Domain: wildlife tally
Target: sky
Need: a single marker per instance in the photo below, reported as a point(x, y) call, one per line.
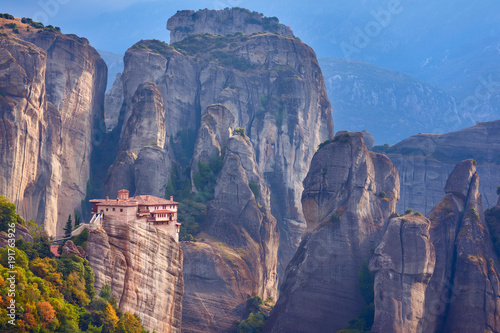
point(404, 35)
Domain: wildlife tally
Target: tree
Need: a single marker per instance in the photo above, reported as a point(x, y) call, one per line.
point(129, 324)
point(69, 227)
point(77, 218)
point(7, 213)
point(46, 313)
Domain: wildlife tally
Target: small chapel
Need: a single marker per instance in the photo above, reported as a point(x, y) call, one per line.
point(161, 213)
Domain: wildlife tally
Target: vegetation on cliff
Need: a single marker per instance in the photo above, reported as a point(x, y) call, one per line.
point(54, 294)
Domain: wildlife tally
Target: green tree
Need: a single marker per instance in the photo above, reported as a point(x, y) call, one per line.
point(7, 213)
point(69, 227)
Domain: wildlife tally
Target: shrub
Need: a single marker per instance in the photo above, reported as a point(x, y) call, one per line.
point(408, 211)
point(239, 131)
point(382, 195)
point(321, 145)
point(255, 188)
point(498, 190)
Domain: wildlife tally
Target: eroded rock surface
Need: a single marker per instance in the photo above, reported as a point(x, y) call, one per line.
point(425, 161)
point(222, 22)
point(143, 266)
point(346, 215)
point(52, 91)
point(236, 257)
point(403, 265)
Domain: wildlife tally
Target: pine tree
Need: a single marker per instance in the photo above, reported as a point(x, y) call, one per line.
point(77, 218)
point(69, 227)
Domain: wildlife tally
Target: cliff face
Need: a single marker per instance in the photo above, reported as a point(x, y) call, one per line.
point(403, 264)
point(389, 104)
point(222, 22)
point(237, 255)
point(349, 194)
point(270, 84)
point(463, 292)
point(439, 274)
point(143, 266)
point(52, 91)
point(113, 103)
point(425, 161)
point(143, 165)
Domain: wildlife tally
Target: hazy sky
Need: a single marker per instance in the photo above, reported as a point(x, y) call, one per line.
point(414, 31)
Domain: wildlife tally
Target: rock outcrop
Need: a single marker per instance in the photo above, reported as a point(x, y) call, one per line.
point(222, 22)
point(349, 195)
point(113, 103)
point(403, 265)
point(21, 231)
point(275, 92)
point(236, 257)
point(143, 267)
point(425, 161)
point(462, 295)
point(143, 165)
point(439, 274)
point(51, 96)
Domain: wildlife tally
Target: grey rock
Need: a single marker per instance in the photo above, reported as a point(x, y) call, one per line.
point(403, 265)
point(113, 103)
point(238, 248)
point(346, 218)
point(143, 267)
point(425, 161)
point(222, 22)
point(50, 110)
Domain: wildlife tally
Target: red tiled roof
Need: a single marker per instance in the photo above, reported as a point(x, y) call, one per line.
point(163, 211)
point(149, 200)
point(53, 249)
point(114, 202)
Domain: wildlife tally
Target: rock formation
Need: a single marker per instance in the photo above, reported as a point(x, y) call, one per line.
point(143, 267)
point(462, 295)
point(113, 103)
point(222, 22)
point(275, 92)
point(425, 161)
point(143, 165)
point(51, 96)
point(403, 265)
point(236, 257)
point(349, 194)
point(21, 231)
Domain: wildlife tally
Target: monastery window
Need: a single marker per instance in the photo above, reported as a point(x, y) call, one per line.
point(121, 209)
point(113, 209)
point(106, 209)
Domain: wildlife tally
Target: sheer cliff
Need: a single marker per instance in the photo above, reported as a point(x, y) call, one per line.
point(51, 97)
point(349, 195)
point(434, 273)
point(270, 84)
point(254, 101)
point(143, 266)
point(425, 161)
point(237, 253)
point(222, 22)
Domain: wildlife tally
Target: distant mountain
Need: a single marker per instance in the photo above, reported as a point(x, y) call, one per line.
point(114, 62)
point(389, 104)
